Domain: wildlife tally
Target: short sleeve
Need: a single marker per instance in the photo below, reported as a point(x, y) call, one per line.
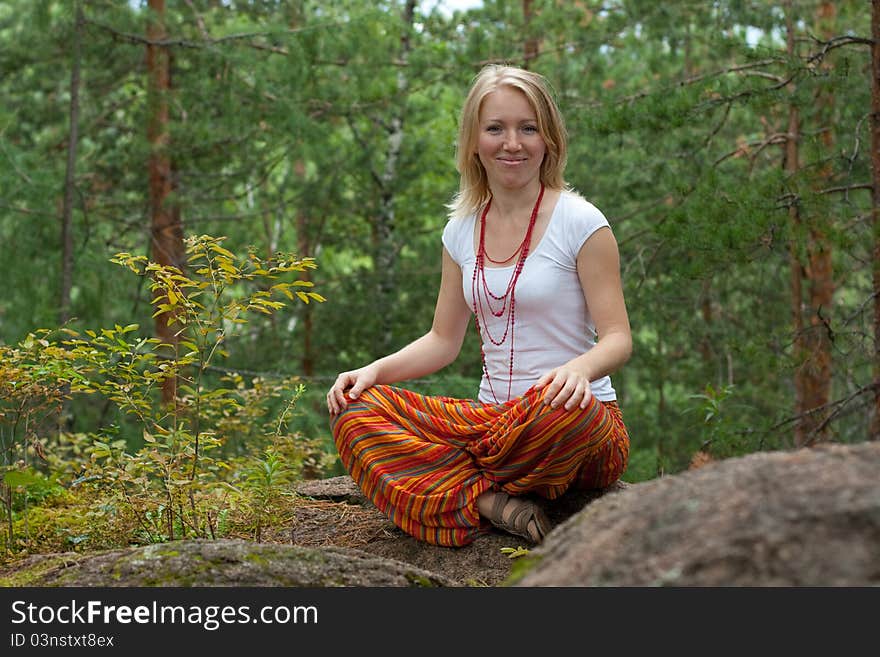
point(458, 238)
point(582, 220)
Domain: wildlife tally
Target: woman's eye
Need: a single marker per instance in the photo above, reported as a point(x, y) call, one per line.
point(530, 129)
point(493, 129)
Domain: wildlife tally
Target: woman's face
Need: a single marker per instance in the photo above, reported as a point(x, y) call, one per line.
point(509, 145)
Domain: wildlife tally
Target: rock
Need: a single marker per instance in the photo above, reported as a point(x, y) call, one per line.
point(219, 563)
point(809, 517)
point(337, 489)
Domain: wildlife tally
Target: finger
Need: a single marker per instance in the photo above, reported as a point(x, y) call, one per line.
point(336, 396)
point(588, 393)
point(336, 399)
point(564, 394)
point(356, 390)
point(565, 389)
point(359, 386)
point(576, 397)
point(338, 389)
point(553, 388)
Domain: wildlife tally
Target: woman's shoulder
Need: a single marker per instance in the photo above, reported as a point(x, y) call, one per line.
point(456, 225)
point(579, 216)
point(458, 236)
point(576, 205)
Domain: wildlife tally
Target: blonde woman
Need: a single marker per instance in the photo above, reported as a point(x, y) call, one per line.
point(537, 267)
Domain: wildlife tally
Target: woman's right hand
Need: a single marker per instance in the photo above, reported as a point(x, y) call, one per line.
point(355, 382)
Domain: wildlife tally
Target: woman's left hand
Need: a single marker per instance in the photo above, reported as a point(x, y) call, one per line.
point(566, 387)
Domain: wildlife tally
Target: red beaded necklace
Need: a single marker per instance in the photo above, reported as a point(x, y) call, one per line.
point(483, 296)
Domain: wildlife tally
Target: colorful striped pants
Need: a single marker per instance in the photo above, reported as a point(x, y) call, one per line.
point(423, 461)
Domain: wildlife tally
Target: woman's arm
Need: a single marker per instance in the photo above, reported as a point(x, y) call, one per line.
point(598, 265)
point(429, 353)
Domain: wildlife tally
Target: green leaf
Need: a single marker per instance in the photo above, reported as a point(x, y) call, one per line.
point(22, 478)
point(514, 553)
point(222, 251)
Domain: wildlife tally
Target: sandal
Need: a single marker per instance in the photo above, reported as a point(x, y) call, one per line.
point(520, 521)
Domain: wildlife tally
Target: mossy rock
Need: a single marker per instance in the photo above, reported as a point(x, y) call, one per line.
point(219, 563)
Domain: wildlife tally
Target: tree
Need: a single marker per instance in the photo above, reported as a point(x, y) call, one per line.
point(875, 205)
point(69, 178)
point(812, 326)
point(165, 225)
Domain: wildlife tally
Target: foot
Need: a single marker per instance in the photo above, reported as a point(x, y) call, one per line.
point(514, 515)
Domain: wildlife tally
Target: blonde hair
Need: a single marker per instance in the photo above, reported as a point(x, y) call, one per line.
point(474, 189)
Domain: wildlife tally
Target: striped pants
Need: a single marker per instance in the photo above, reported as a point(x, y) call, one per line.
point(423, 461)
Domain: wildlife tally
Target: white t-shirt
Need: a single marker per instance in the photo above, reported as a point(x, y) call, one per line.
point(553, 324)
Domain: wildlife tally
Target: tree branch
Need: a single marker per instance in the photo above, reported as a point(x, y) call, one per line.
point(832, 190)
point(208, 40)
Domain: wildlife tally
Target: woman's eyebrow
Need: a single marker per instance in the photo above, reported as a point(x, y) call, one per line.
point(494, 120)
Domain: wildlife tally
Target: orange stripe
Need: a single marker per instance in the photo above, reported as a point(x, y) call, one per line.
point(424, 460)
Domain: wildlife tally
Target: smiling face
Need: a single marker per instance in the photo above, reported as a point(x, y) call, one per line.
point(509, 145)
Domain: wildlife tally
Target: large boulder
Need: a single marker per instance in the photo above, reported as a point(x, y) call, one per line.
point(809, 517)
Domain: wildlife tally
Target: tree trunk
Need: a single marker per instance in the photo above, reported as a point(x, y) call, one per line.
point(166, 231)
point(70, 174)
point(531, 47)
point(386, 249)
point(817, 370)
point(811, 313)
point(791, 166)
point(875, 207)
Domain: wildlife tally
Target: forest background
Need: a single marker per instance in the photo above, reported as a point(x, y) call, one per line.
point(285, 166)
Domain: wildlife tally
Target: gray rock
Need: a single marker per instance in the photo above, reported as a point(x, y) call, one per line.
point(220, 563)
point(809, 517)
point(337, 489)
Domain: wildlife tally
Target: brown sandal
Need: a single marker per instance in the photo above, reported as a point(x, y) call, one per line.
point(519, 521)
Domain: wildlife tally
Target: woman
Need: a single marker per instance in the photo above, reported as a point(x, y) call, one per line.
point(538, 268)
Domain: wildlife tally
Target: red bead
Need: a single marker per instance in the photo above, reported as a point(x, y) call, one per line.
point(480, 274)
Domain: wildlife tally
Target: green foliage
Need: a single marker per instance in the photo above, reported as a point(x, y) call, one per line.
point(712, 402)
point(170, 483)
point(36, 377)
point(177, 484)
point(261, 490)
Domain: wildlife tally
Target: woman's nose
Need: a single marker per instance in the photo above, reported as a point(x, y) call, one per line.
point(511, 143)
